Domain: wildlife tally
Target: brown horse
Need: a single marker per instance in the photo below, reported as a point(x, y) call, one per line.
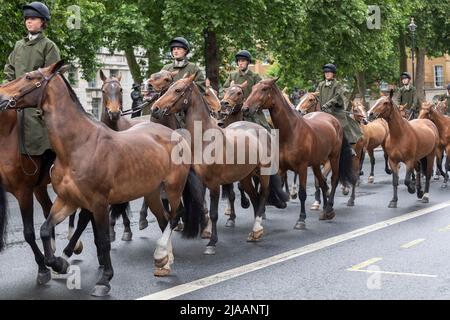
point(307, 141)
point(441, 106)
point(442, 122)
point(411, 142)
point(310, 103)
point(374, 135)
point(23, 176)
point(121, 166)
point(219, 167)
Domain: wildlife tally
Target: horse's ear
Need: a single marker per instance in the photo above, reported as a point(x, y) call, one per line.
point(232, 83)
point(64, 68)
point(174, 73)
point(191, 77)
point(276, 79)
point(285, 90)
point(56, 66)
point(102, 75)
point(391, 94)
point(244, 84)
point(119, 77)
point(315, 93)
point(207, 83)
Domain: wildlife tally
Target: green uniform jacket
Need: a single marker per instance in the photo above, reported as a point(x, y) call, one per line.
point(333, 98)
point(252, 78)
point(408, 97)
point(29, 55)
point(188, 68)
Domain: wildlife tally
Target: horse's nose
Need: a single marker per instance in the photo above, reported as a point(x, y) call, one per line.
point(370, 116)
point(224, 105)
point(365, 121)
point(114, 115)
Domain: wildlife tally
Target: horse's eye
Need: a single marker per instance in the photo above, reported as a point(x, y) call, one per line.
point(166, 80)
point(239, 93)
point(27, 77)
point(177, 90)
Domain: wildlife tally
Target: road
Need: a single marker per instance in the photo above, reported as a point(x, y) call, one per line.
point(366, 252)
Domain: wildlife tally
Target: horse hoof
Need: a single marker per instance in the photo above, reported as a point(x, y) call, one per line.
point(230, 223)
point(159, 263)
point(345, 191)
point(361, 173)
point(255, 236)
point(245, 203)
point(425, 199)
point(350, 203)
point(112, 236)
point(101, 290)
point(161, 272)
point(227, 211)
point(127, 236)
point(210, 250)
point(327, 215)
point(300, 225)
point(206, 234)
point(371, 179)
point(420, 194)
point(392, 204)
point(315, 207)
point(388, 171)
point(78, 248)
point(61, 266)
point(143, 223)
point(437, 177)
point(179, 227)
point(411, 190)
point(43, 277)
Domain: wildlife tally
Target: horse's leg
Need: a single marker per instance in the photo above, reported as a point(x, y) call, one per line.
point(225, 195)
point(372, 165)
point(143, 223)
point(83, 219)
point(252, 192)
point(316, 205)
point(409, 181)
point(386, 162)
point(447, 163)
point(258, 230)
point(42, 197)
point(127, 234)
point(361, 162)
point(25, 199)
point(244, 201)
point(294, 191)
point(428, 173)
point(328, 211)
point(213, 216)
point(231, 197)
point(112, 224)
point(71, 226)
point(322, 183)
point(394, 167)
point(302, 174)
point(356, 169)
point(439, 157)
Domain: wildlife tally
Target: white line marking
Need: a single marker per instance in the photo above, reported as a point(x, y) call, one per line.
point(397, 273)
point(288, 255)
point(364, 264)
point(412, 243)
point(447, 228)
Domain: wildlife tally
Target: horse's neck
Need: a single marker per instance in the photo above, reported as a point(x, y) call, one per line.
point(283, 117)
point(8, 122)
point(198, 111)
point(107, 120)
point(68, 126)
point(440, 120)
point(233, 118)
point(397, 124)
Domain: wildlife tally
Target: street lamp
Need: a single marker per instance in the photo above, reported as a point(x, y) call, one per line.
point(412, 28)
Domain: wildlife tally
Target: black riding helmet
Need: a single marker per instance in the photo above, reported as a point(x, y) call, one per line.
point(405, 75)
point(244, 54)
point(181, 43)
point(329, 67)
point(36, 9)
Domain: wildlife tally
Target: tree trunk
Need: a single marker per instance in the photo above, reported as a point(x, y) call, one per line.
point(420, 74)
point(361, 84)
point(211, 58)
point(135, 69)
point(402, 49)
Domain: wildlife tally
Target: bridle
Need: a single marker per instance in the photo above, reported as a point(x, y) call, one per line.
point(237, 107)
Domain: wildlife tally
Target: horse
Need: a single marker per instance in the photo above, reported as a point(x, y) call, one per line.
point(374, 135)
point(185, 96)
point(23, 176)
point(411, 142)
point(307, 141)
point(3, 216)
point(441, 106)
point(121, 166)
point(310, 103)
point(442, 122)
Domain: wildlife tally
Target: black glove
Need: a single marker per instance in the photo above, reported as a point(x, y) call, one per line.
point(325, 108)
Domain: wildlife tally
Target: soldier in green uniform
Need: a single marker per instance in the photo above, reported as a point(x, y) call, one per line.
point(31, 53)
point(243, 59)
point(446, 96)
point(408, 96)
point(332, 100)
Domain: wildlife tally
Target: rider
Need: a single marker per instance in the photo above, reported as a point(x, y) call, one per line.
point(30, 53)
point(332, 100)
point(296, 96)
point(137, 100)
point(243, 58)
point(446, 96)
point(408, 95)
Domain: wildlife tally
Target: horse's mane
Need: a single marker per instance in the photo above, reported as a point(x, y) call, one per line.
point(73, 95)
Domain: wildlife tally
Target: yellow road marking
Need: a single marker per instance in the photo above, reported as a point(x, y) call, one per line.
point(412, 243)
point(397, 273)
point(364, 264)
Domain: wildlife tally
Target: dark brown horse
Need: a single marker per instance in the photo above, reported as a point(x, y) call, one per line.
point(307, 141)
point(411, 142)
point(121, 166)
point(217, 167)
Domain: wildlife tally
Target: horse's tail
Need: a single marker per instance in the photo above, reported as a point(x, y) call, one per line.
point(346, 172)
point(3, 217)
point(116, 210)
point(193, 196)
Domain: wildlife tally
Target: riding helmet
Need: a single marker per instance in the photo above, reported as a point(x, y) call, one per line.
point(36, 9)
point(405, 75)
point(244, 54)
point(179, 42)
point(329, 67)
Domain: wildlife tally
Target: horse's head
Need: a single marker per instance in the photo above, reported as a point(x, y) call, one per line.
point(161, 80)
point(403, 111)
point(309, 103)
point(112, 95)
point(359, 112)
point(261, 96)
point(175, 99)
point(233, 98)
point(383, 108)
point(211, 98)
point(441, 106)
point(28, 90)
point(426, 109)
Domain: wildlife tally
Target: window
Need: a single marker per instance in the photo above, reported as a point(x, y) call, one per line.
point(92, 83)
point(438, 77)
point(96, 107)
